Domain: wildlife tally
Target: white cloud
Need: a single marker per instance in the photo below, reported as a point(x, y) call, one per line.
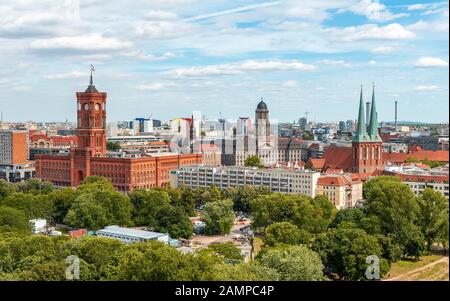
point(232, 11)
point(238, 68)
point(392, 31)
point(67, 75)
point(163, 29)
point(383, 49)
point(418, 6)
point(94, 42)
point(340, 63)
point(141, 55)
point(372, 62)
point(154, 86)
point(158, 14)
point(374, 10)
point(290, 84)
point(429, 62)
point(426, 88)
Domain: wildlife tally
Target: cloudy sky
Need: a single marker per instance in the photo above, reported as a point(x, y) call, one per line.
point(167, 58)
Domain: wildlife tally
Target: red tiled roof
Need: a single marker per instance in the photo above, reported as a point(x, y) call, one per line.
point(338, 157)
point(340, 180)
point(334, 170)
point(439, 155)
point(316, 163)
point(419, 178)
point(37, 137)
point(415, 148)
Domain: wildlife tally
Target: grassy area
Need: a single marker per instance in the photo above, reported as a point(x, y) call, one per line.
point(404, 266)
point(437, 272)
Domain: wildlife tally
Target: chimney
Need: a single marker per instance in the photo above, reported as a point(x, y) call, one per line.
point(395, 115)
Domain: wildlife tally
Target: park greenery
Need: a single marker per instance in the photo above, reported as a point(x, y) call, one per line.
point(304, 238)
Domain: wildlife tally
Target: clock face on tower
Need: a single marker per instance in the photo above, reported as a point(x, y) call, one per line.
point(97, 107)
point(86, 106)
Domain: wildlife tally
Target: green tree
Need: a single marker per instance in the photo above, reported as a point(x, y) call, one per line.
point(253, 161)
point(61, 200)
point(35, 186)
point(33, 205)
point(5, 189)
point(147, 204)
point(433, 214)
point(227, 252)
point(285, 233)
point(219, 217)
point(395, 206)
point(293, 263)
point(344, 252)
point(173, 220)
point(16, 219)
point(243, 195)
point(86, 212)
point(112, 146)
point(244, 272)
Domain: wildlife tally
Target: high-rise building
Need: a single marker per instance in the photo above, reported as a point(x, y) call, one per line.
point(342, 126)
point(350, 124)
point(13, 147)
point(302, 123)
point(262, 125)
point(90, 158)
point(14, 165)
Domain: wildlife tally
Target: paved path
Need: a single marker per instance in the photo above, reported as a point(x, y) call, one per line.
point(405, 275)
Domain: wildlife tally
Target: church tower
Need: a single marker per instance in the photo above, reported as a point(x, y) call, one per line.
point(367, 145)
point(91, 131)
point(262, 125)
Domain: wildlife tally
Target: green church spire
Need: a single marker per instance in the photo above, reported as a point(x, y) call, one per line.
point(373, 123)
point(361, 134)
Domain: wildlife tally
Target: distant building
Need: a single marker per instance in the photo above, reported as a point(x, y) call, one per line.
point(211, 154)
point(289, 181)
point(303, 123)
point(290, 150)
point(350, 125)
point(420, 176)
point(342, 126)
point(14, 164)
point(128, 235)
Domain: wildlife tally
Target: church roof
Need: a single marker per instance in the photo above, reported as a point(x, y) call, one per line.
point(373, 123)
point(361, 134)
point(262, 105)
point(91, 89)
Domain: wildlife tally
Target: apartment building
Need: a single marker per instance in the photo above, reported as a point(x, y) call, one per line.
point(341, 190)
point(288, 181)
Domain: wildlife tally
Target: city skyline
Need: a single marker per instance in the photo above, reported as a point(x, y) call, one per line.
point(168, 60)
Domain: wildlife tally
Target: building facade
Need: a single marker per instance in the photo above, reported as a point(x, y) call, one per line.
point(288, 181)
point(341, 190)
point(90, 157)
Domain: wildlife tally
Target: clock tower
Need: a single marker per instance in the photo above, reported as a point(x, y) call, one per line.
point(91, 131)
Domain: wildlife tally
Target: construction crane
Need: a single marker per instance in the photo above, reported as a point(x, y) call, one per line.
point(306, 114)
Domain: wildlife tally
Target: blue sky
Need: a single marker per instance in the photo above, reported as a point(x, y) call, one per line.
point(167, 58)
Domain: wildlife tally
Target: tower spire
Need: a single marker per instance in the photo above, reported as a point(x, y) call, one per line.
point(361, 134)
point(373, 124)
point(91, 88)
